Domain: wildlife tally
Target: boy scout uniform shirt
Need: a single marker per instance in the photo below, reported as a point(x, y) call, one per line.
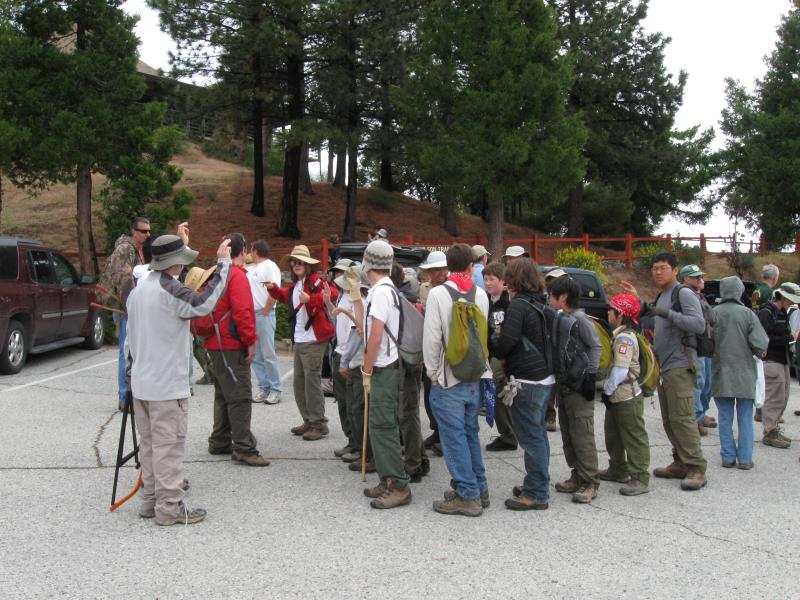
point(381, 305)
point(626, 356)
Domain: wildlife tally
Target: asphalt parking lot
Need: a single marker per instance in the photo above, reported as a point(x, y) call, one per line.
point(301, 528)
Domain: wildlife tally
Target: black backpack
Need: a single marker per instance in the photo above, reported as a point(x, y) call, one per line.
point(703, 343)
point(570, 359)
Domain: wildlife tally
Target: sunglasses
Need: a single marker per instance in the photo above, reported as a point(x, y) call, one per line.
point(147, 231)
point(293, 263)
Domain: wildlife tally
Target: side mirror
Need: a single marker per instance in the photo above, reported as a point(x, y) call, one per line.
point(88, 280)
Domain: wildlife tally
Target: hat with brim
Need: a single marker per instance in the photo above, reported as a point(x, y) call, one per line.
point(342, 265)
point(515, 251)
point(363, 279)
point(300, 253)
point(555, 274)
point(169, 251)
point(435, 260)
point(788, 291)
point(197, 277)
point(478, 252)
point(691, 271)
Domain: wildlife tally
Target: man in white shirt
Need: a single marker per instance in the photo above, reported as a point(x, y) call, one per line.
point(382, 377)
point(265, 364)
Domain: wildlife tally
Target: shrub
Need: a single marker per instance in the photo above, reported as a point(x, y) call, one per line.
point(646, 252)
point(688, 255)
point(580, 259)
point(282, 331)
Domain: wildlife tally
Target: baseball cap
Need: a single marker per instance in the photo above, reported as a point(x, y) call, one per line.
point(554, 274)
point(691, 271)
point(478, 252)
point(515, 251)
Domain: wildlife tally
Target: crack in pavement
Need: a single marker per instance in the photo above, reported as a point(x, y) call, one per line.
point(96, 444)
point(694, 532)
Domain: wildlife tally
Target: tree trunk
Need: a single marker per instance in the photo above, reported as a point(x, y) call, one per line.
point(267, 136)
point(305, 175)
point(85, 237)
point(288, 222)
point(575, 211)
point(257, 126)
point(340, 180)
point(496, 224)
point(329, 174)
point(447, 212)
point(349, 234)
point(387, 181)
point(1, 200)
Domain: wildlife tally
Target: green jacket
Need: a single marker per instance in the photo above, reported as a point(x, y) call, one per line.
point(737, 338)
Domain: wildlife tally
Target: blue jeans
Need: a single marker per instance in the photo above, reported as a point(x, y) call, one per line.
point(123, 331)
point(728, 448)
point(456, 412)
point(265, 364)
point(702, 391)
point(528, 415)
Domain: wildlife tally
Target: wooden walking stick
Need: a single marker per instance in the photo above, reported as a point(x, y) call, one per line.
point(364, 441)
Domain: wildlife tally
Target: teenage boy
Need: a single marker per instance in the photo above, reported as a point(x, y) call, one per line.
point(674, 348)
point(498, 303)
point(455, 403)
point(381, 375)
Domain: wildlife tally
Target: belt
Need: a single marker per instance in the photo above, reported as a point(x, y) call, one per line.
point(394, 365)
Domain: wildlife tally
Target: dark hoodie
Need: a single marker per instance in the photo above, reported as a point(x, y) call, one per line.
point(524, 360)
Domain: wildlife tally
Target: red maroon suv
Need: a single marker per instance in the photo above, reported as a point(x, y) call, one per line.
point(44, 305)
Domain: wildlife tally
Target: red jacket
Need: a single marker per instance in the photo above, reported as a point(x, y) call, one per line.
point(320, 323)
point(239, 300)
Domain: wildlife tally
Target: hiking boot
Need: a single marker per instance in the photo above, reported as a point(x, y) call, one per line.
point(147, 513)
point(569, 486)
point(340, 452)
point(215, 451)
point(431, 440)
point(300, 429)
point(517, 491)
point(797, 413)
point(585, 493)
point(774, 439)
point(375, 491)
point(728, 464)
point(392, 497)
point(709, 422)
point(437, 449)
point(184, 484)
point(484, 496)
point(525, 503)
point(757, 416)
point(273, 398)
point(314, 434)
point(694, 480)
point(351, 457)
point(607, 475)
point(356, 466)
point(745, 466)
point(186, 516)
point(453, 504)
point(253, 460)
point(500, 445)
point(674, 470)
point(415, 475)
point(783, 437)
point(634, 487)
point(425, 464)
point(204, 380)
point(550, 423)
point(702, 430)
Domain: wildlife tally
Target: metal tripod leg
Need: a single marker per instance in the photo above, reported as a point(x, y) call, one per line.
point(122, 458)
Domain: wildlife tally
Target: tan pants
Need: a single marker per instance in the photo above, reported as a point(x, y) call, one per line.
point(307, 384)
point(162, 441)
point(676, 397)
point(776, 395)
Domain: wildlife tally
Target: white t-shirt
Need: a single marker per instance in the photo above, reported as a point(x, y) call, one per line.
point(381, 303)
point(343, 323)
point(258, 273)
point(301, 334)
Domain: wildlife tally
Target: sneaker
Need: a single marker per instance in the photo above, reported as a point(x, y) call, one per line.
point(728, 464)
point(745, 466)
point(356, 466)
point(351, 457)
point(694, 480)
point(569, 486)
point(607, 475)
point(431, 440)
point(314, 434)
point(273, 398)
point(484, 496)
point(774, 439)
point(702, 430)
point(215, 451)
point(253, 460)
point(392, 497)
point(147, 513)
point(585, 493)
point(634, 487)
point(709, 422)
point(500, 445)
point(674, 470)
point(453, 504)
point(204, 380)
point(340, 452)
point(260, 397)
point(525, 503)
point(300, 429)
point(185, 516)
point(550, 423)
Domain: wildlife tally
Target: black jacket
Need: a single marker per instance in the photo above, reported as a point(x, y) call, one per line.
point(776, 323)
point(524, 361)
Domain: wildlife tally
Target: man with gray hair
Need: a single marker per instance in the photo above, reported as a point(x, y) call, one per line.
point(159, 310)
point(769, 280)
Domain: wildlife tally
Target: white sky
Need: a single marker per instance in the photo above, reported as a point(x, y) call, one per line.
point(711, 40)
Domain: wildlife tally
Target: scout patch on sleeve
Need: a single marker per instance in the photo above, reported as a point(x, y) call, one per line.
point(623, 349)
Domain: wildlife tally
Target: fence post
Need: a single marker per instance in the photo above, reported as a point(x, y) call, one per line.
point(628, 251)
point(669, 242)
point(586, 241)
point(535, 248)
point(325, 250)
point(703, 243)
point(762, 246)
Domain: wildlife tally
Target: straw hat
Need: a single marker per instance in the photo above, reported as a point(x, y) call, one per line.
point(198, 277)
point(300, 253)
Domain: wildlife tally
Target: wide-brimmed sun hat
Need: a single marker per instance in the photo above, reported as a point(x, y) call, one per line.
point(788, 290)
point(168, 251)
point(301, 254)
point(197, 277)
point(342, 265)
point(436, 260)
point(363, 279)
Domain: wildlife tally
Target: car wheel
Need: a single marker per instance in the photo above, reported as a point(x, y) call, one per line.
point(15, 349)
point(98, 333)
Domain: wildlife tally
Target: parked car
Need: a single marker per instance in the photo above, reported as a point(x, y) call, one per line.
point(593, 295)
point(44, 305)
point(711, 291)
point(407, 256)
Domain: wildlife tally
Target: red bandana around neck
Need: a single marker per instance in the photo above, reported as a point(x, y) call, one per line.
point(462, 280)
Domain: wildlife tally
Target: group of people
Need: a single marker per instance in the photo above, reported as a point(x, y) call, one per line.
point(477, 337)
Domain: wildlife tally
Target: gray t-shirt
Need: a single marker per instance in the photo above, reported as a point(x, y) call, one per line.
point(670, 332)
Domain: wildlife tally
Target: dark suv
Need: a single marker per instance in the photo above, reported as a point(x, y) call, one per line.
point(44, 305)
point(593, 295)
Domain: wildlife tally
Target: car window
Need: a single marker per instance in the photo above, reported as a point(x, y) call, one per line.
point(8, 262)
point(65, 272)
point(589, 287)
point(41, 267)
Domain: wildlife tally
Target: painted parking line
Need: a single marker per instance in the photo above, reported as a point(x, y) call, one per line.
point(59, 376)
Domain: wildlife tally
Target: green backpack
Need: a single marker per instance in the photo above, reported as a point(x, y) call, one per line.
point(648, 365)
point(466, 350)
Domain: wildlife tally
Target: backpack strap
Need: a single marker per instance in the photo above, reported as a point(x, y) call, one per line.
point(394, 339)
